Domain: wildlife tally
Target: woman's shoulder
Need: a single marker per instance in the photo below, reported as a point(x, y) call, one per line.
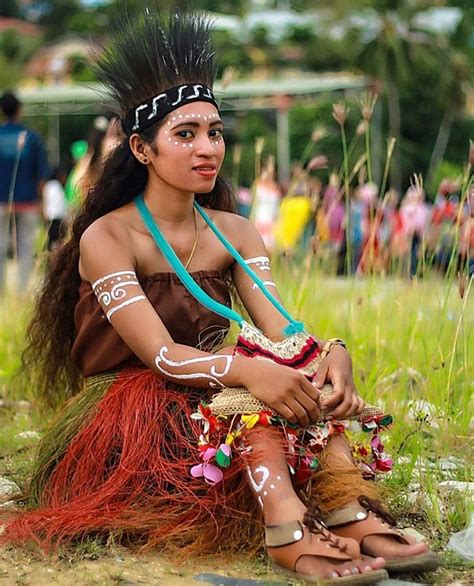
point(113, 226)
point(233, 225)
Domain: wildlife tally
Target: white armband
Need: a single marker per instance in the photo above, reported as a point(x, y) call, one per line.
point(117, 291)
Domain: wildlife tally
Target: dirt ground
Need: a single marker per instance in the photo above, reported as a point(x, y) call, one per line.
point(17, 568)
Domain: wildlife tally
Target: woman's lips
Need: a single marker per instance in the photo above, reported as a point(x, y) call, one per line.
point(206, 171)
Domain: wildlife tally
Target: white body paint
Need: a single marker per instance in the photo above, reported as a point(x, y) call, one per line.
point(258, 485)
point(112, 287)
point(268, 283)
point(212, 376)
point(262, 262)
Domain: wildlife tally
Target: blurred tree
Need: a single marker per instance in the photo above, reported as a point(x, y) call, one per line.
point(10, 8)
point(56, 16)
point(389, 58)
point(10, 44)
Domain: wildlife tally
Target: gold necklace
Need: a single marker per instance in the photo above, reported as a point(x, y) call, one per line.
point(193, 250)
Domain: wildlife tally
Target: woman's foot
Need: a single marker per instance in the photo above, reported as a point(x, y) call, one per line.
point(310, 550)
point(389, 547)
point(374, 529)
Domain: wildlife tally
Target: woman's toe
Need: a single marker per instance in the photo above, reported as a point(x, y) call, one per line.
point(415, 549)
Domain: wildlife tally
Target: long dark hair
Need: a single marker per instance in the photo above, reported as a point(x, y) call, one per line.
point(151, 57)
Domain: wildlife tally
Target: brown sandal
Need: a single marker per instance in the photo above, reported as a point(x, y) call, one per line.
point(312, 538)
point(370, 518)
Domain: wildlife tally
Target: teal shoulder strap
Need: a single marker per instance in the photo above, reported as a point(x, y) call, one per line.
point(293, 326)
point(181, 271)
point(195, 290)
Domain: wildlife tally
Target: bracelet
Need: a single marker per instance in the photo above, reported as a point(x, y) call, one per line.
point(329, 344)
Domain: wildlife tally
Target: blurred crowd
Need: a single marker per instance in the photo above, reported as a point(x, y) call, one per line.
point(367, 232)
point(364, 233)
point(34, 193)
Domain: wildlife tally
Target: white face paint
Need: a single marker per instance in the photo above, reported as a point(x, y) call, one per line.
point(166, 365)
point(262, 263)
point(258, 478)
point(117, 291)
point(190, 116)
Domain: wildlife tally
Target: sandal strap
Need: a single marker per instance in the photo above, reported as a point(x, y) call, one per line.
point(345, 515)
point(283, 534)
point(372, 525)
point(358, 521)
point(315, 545)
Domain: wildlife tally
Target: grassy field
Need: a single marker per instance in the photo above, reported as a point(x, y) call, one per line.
point(412, 345)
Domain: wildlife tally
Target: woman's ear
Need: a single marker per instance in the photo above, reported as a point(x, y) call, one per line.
point(139, 148)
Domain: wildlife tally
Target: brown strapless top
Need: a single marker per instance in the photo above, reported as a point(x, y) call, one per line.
point(98, 348)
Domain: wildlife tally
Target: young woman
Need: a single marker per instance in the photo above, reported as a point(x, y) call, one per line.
point(116, 331)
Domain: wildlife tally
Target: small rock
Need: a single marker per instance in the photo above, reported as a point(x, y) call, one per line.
point(411, 532)
point(458, 485)
point(23, 405)
point(8, 487)
point(28, 435)
point(450, 463)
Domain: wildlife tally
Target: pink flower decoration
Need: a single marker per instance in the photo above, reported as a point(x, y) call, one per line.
point(212, 474)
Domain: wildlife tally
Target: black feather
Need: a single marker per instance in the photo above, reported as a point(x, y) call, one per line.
point(153, 52)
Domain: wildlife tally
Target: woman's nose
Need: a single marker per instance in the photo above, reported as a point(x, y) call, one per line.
point(205, 145)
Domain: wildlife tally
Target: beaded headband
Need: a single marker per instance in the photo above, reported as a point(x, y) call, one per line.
point(156, 108)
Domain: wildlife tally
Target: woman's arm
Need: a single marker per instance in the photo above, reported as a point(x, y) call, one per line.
point(107, 263)
point(336, 368)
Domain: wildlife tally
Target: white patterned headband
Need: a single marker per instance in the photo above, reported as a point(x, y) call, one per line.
point(156, 108)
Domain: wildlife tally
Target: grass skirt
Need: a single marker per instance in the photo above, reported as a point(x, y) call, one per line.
point(116, 461)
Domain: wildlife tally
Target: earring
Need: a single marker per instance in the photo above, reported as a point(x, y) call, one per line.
point(145, 161)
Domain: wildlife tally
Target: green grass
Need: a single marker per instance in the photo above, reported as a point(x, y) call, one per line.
point(391, 326)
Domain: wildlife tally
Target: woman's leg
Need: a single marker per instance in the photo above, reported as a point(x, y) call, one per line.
point(338, 455)
point(271, 484)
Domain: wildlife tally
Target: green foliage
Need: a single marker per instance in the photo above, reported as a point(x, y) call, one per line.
point(9, 73)
point(10, 44)
point(446, 170)
point(249, 127)
point(81, 70)
point(10, 8)
point(56, 18)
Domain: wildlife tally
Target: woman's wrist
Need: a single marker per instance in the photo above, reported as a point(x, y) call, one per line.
point(237, 375)
point(328, 345)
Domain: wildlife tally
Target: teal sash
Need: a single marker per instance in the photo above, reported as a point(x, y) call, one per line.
point(191, 285)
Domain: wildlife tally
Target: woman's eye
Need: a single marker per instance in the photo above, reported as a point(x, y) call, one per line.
point(216, 132)
point(185, 134)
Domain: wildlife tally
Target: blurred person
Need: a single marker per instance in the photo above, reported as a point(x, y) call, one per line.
point(23, 170)
point(443, 224)
point(466, 243)
point(387, 227)
point(73, 190)
point(104, 137)
point(266, 203)
point(294, 214)
point(55, 207)
point(372, 214)
point(89, 157)
point(414, 215)
point(244, 201)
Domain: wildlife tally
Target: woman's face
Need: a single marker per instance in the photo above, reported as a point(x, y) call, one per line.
point(189, 148)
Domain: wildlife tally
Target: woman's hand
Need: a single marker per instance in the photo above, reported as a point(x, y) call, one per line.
point(336, 368)
point(285, 390)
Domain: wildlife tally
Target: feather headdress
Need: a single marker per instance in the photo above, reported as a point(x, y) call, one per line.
point(153, 54)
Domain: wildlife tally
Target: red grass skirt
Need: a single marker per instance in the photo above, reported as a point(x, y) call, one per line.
point(116, 462)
